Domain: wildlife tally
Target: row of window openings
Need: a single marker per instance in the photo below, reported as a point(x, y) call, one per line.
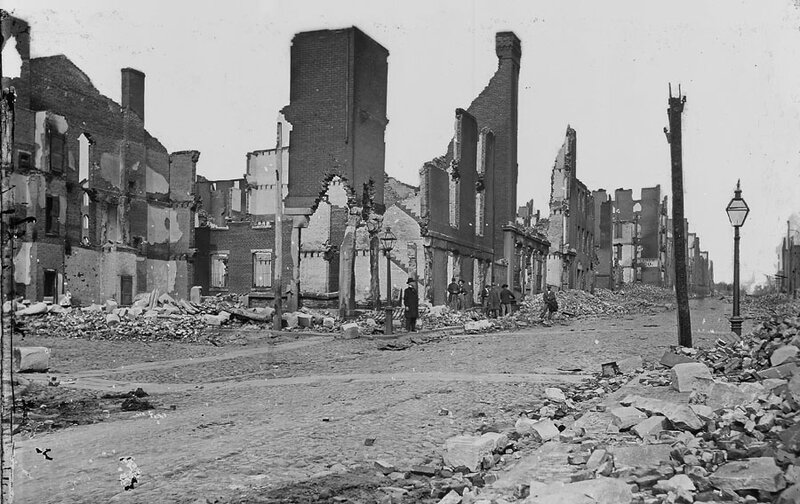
point(262, 270)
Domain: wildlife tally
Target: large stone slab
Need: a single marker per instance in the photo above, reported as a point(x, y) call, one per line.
point(630, 364)
point(468, 451)
point(681, 415)
point(783, 354)
point(727, 395)
point(291, 319)
point(626, 417)
point(31, 358)
point(593, 491)
point(650, 427)
point(785, 370)
point(34, 309)
point(194, 294)
point(760, 473)
point(685, 375)
point(305, 320)
point(475, 326)
point(640, 455)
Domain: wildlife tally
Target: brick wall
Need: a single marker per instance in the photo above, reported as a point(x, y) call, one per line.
point(337, 109)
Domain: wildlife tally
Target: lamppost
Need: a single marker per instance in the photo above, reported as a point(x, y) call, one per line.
point(737, 212)
point(387, 240)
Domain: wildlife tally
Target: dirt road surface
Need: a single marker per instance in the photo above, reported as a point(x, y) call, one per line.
point(245, 419)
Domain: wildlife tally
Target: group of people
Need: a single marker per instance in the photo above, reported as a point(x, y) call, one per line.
point(496, 301)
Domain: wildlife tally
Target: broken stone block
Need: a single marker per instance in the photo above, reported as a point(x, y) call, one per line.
point(785, 370)
point(679, 414)
point(195, 293)
point(292, 320)
point(727, 395)
point(678, 483)
point(452, 497)
point(31, 359)
point(500, 441)
point(545, 430)
point(34, 309)
point(789, 496)
point(166, 299)
point(477, 326)
point(794, 387)
point(384, 467)
point(669, 359)
point(134, 312)
point(592, 491)
point(640, 455)
point(328, 322)
point(111, 305)
point(650, 426)
point(630, 364)
point(305, 320)
point(783, 354)
point(703, 411)
point(760, 473)
point(626, 417)
point(467, 451)
point(112, 319)
point(153, 314)
point(214, 320)
point(685, 375)
point(596, 458)
point(555, 394)
point(350, 331)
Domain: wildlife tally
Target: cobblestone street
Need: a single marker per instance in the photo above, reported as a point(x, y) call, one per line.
point(262, 414)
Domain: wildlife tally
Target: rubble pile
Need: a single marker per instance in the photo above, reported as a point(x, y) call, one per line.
point(768, 306)
point(158, 317)
point(769, 351)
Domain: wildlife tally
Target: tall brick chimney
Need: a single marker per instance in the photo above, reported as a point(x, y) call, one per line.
point(133, 91)
point(508, 46)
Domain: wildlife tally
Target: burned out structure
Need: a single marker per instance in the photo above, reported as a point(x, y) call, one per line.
point(635, 243)
point(114, 209)
point(789, 273)
point(468, 196)
point(332, 164)
point(570, 227)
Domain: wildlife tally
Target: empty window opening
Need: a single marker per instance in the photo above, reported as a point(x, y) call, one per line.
point(219, 270)
point(262, 269)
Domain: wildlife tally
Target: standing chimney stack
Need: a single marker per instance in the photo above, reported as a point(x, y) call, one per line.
point(133, 91)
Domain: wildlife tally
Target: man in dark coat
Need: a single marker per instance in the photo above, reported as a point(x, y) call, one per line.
point(494, 300)
point(550, 305)
point(452, 294)
point(411, 302)
point(507, 298)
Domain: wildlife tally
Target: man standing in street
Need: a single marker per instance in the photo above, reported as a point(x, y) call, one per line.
point(494, 300)
point(507, 298)
point(411, 302)
point(452, 294)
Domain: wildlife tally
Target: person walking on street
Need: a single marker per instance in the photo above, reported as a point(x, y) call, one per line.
point(411, 302)
point(494, 300)
point(550, 304)
point(507, 298)
point(452, 294)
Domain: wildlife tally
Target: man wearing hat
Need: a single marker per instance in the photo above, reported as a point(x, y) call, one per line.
point(411, 302)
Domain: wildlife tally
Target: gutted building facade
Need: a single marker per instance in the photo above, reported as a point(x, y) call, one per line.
point(570, 228)
point(468, 196)
point(114, 209)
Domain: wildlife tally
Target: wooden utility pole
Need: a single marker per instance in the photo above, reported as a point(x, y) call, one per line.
point(6, 323)
point(277, 285)
point(678, 231)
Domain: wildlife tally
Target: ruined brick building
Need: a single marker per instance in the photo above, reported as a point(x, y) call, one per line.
point(114, 209)
point(570, 227)
point(471, 233)
point(789, 273)
point(332, 156)
point(635, 243)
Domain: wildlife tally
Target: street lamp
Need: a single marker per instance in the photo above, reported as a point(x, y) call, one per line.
point(387, 241)
point(737, 213)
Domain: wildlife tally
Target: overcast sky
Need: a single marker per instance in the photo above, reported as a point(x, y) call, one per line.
point(217, 73)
